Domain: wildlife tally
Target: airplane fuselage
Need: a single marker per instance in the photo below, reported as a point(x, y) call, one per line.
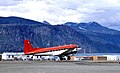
point(50, 51)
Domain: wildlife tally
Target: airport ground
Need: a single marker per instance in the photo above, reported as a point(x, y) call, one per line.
point(59, 67)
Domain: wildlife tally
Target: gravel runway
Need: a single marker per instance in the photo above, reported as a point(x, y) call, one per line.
point(57, 67)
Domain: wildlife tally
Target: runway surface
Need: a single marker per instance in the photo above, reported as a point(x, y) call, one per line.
point(57, 67)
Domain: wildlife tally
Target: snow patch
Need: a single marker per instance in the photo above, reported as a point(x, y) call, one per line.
point(82, 28)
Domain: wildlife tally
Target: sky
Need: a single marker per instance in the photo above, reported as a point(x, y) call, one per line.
point(105, 12)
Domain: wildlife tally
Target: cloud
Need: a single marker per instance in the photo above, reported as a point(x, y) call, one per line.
point(60, 11)
point(9, 2)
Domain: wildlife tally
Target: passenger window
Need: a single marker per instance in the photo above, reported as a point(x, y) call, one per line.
point(8, 56)
point(12, 56)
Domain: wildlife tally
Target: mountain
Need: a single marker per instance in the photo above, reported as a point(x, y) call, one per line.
point(12, 36)
point(91, 27)
point(103, 37)
point(17, 20)
point(14, 30)
point(45, 22)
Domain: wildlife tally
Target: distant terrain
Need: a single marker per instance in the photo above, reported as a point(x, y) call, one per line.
point(91, 37)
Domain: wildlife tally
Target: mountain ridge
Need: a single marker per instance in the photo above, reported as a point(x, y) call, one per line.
point(17, 20)
point(44, 34)
point(109, 37)
point(91, 27)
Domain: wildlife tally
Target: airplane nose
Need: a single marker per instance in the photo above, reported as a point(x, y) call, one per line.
point(79, 48)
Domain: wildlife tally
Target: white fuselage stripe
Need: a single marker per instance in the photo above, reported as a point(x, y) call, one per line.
point(58, 52)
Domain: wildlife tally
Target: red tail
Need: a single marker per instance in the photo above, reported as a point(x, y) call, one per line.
point(27, 47)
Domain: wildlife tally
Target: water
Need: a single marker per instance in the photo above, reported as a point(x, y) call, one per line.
point(95, 54)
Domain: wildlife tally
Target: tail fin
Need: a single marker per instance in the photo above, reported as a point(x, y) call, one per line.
point(27, 47)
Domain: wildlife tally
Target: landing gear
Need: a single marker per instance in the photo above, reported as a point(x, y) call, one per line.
point(61, 58)
point(65, 58)
point(68, 57)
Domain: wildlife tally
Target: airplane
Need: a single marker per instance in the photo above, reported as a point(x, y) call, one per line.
point(60, 51)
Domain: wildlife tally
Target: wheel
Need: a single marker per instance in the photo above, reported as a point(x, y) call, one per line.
point(68, 58)
point(61, 58)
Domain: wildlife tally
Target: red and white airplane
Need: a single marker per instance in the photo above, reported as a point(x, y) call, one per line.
point(59, 51)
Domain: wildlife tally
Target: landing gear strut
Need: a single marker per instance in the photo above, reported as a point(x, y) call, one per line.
point(65, 58)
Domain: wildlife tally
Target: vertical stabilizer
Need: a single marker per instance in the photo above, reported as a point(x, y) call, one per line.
point(27, 47)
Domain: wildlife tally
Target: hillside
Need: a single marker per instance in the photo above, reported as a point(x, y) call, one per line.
point(105, 37)
point(12, 37)
point(43, 34)
point(17, 20)
point(92, 27)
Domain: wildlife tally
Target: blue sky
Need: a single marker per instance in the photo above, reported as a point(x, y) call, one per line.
point(105, 12)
